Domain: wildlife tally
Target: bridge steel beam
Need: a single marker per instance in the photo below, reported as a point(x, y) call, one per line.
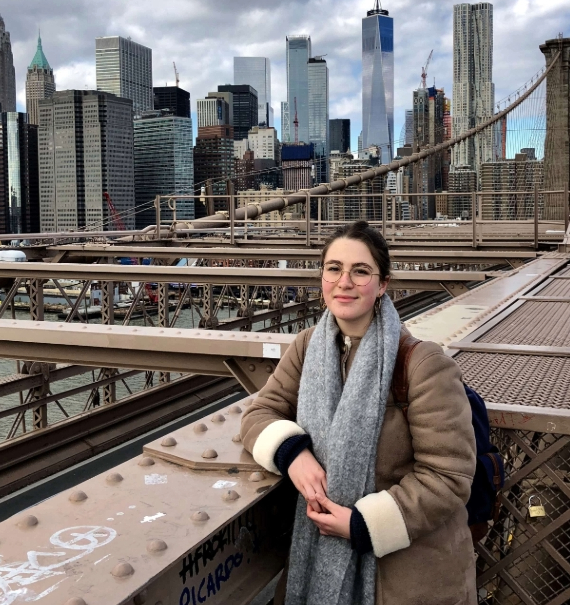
point(137, 348)
point(233, 276)
point(300, 254)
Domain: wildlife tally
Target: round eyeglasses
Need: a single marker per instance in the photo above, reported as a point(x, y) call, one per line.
point(359, 276)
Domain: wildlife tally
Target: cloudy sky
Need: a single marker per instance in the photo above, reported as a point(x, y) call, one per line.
point(203, 37)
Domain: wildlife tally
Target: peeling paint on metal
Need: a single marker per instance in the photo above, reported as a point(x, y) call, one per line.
point(152, 518)
point(224, 484)
point(155, 479)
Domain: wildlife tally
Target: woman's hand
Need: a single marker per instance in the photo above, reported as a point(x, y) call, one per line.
point(335, 521)
point(309, 477)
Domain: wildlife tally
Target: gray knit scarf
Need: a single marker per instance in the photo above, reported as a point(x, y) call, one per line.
point(344, 425)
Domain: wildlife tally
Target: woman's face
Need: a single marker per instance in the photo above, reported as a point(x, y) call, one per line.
point(347, 301)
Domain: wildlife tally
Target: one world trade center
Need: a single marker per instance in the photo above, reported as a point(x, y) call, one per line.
point(378, 81)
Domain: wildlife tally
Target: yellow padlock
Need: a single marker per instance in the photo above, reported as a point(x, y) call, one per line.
point(536, 510)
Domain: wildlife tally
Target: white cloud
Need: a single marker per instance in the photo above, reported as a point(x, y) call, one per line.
point(202, 38)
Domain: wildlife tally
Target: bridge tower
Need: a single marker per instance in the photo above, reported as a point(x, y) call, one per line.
point(556, 146)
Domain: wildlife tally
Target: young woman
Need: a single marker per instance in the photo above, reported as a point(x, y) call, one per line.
point(381, 519)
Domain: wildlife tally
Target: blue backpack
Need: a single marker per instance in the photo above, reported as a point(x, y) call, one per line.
point(484, 502)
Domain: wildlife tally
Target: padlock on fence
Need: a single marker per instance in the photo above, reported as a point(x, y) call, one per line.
point(537, 510)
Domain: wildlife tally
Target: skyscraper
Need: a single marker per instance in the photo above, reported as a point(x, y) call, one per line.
point(173, 98)
point(124, 68)
point(40, 83)
point(165, 135)
point(339, 135)
point(285, 122)
point(7, 71)
point(473, 88)
point(318, 74)
point(213, 163)
point(256, 71)
point(298, 53)
point(245, 111)
point(409, 128)
point(19, 195)
point(428, 130)
point(213, 111)
point(378, 81)
point(85, 149)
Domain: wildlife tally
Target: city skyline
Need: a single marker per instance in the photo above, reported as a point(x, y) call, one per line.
point(335, 32)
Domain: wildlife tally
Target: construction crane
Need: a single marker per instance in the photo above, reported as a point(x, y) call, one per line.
point(425, 71)
point(176, 74)
point(296, 123)
point(119, 225)
point(115, 216)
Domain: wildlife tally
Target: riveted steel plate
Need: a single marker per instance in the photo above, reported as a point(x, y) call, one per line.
point(134, 528)
point(220, 437)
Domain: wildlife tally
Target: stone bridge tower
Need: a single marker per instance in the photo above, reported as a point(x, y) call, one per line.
point(556, 146)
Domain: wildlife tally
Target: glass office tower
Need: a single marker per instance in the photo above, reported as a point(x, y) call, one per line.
point(256, 71)
point(318, 73)
point(19, 195)
point(298, 51)
point(378, 81)
point(164, 164)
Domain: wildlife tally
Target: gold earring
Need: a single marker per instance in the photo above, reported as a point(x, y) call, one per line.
point(322, 301)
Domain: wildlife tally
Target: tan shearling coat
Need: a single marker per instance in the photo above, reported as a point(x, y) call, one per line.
point(417, 520)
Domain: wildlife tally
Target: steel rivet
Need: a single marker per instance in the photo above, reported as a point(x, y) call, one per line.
point(122, 570)
point(114, 478)
point(269, 369)
point(168, 441)
point(232, 335)
point(230, 495)
point(218, 418)
point(200, 515)
point(256, 477)
point(28, 521)
point(135, 330)
point(141, 598)
point(248, 402)
point(209, 454)
point(200, 428)
point(235, 409)
point(156, 546)
point(161, 332)
point(178, 333)
point(197, 333)
point(78, 496)
point(236, 438)
point(251, 367)
point(146, 461)
point(75, 601)
point(84, 327)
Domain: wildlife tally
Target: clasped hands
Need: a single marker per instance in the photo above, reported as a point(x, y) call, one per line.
point(310, 479)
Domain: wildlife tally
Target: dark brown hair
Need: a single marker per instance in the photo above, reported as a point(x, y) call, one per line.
point(363, 232)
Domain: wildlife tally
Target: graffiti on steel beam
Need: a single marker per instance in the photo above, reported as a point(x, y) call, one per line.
point(240, 535)
point(72, 544)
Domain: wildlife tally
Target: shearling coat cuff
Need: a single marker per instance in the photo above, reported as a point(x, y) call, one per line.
point(270, 439)
point(385, 523)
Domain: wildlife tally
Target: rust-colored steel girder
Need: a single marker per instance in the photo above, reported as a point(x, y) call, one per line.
point(308, 254)
point(233, 276)
point(138, 348)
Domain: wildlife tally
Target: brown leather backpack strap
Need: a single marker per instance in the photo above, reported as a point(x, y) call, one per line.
point(400, 383)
